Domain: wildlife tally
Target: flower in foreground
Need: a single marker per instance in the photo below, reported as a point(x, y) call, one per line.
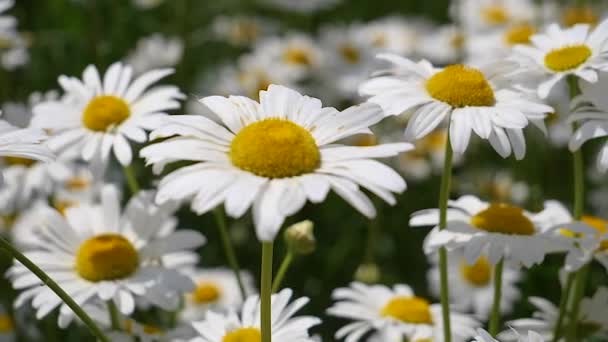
point(232, 327)
point(273, 155)
point(498, 230)
point(395, 314)
point(560, 52)
point(472, 286)
point(97, 252)
point(96, 117)
point(471, 99)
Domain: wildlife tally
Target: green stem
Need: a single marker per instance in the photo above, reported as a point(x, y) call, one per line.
point(495, 317)
point(579, 184)
point(563, 305)
point(131, 179)
point(55, 288)
point(579, 290)
point(220, 220)
point(276, 285)
point(444, 195)
point(114, 316)
point(266, 290)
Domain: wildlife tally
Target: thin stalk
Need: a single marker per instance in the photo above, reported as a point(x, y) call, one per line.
point(220, 220)
point(131, 179)
point(266, 290)
point(444, 195)
point(276, 284)
point(4, 244)
point(495, 317)
point(563, 306)
point(579, 290)
point(114, 316)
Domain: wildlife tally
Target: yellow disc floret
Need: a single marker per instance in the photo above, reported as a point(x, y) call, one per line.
point(243, 335)
point(408, 310)
point(106, 257)
point(6, 324)
point(350, 54)
point(461, 86)
point(519, 34)
point(104, 112)
point(579, 15)
point(19, 161)
point(504, 219)
point(275, 148)
point(601, 226)
point(479, 274)
point(206, 293)
point(495, 14)
point(297, 56)
point(567, 58)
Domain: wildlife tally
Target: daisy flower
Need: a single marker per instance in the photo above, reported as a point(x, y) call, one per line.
point(216, 289)
point(497, 230)
point(94, 118)
point(498, 44)
point(442, 45)
point(394, 312)
point(273, 155)
point(472, 286)
point(241, 30)
point(97, 252)
point(481, 15)
point(574, 15)
point(393, 34)
point(593, 317)
point(591, 111)
point(560, 52)
point(246, 326)
point(472, 99)
point(155, 51)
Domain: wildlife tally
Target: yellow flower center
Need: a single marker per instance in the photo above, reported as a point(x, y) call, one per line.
point(106, 257)
point(275, 148)
point(152, 330)
point(104, 112)
point(77, 183)
point(457, 41)
point(6, 324)
point(600, 225)
point(567, 58)
point(365, 140)
point(408, 310)
point(495, 14)
point(579, 15)
point(19, 161)
point(478, 274)
point(243, 335)
point(461, 86)
point(206, 293)
point(297, 56)
point(519, 34)
point(503, 219)
point(63, 205)
point(350, 54)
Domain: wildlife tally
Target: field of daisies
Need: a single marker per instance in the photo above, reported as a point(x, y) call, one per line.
point(304, 170)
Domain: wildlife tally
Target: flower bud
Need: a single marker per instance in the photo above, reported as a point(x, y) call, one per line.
point(300, 238)
point(368, 273)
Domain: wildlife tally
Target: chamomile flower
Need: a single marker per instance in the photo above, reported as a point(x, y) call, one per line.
point(241, 30)
point(442, 45)
point(579, 51)
point(498, 44)
point(394, 312)
point(97, 252)
point(233, 327)
point(575, 15)
point(472, 286)
point(95, 118)
point(472, 99)
point(273, 155)
point(217, 290)
point(393, 34)
point(479, 15)
point(155, 51)
point(593, 317)
point(592, 114)
point(497, 230)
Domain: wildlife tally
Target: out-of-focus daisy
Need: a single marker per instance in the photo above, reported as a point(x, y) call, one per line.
point(96, 117)
point(80, 188)
point(498, 44)
point(392, 34)
point(147, 4)
point(478, 15)
point(215, 289)
point(593, 317)
point(231, 327)
point(97, 252)
point(155, 51)
point(532, 336)
point(13, 49)
point(241, 30)
point(442, 45)
point(472, 99)
point(7, 22)
point(592, 114)
point(273, 155)
point(575, 15)
point(472, 286)
point(307, 6)
point(394, 312)
point(497, 230)
point(559, 52)
point(498, 186)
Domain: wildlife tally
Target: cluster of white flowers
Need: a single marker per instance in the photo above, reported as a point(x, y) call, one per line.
point(260, 144)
